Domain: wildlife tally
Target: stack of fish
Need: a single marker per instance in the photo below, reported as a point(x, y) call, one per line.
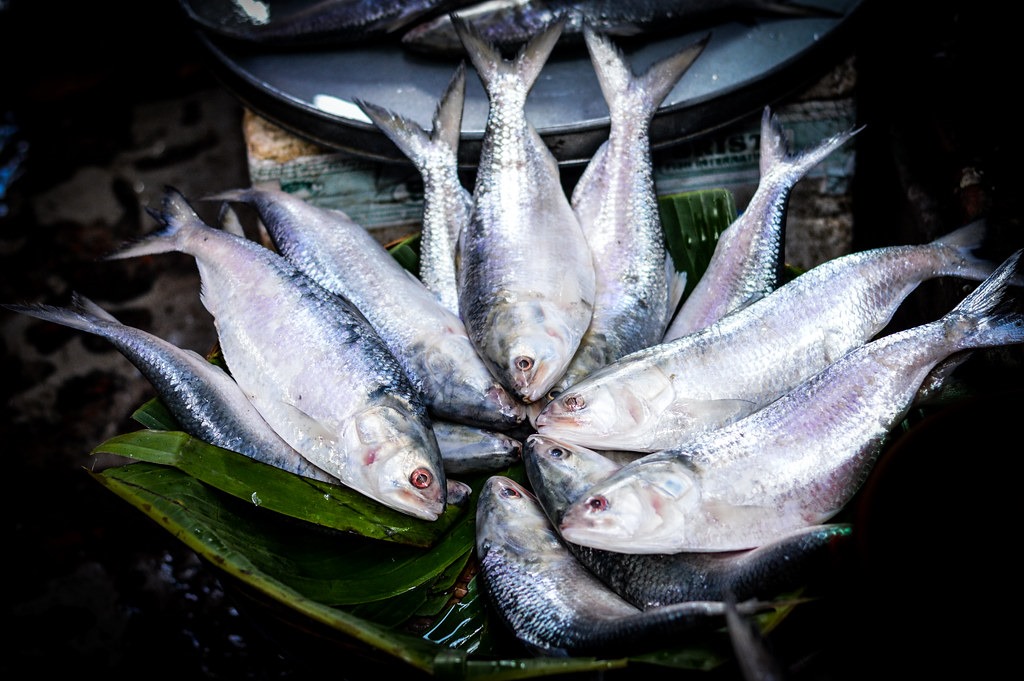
point(688, 455)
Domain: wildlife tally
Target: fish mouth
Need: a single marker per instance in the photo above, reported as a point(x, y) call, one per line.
point(418, 506)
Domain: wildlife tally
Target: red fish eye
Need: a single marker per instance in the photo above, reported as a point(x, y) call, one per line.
point(509, 492)
point(523, 363)
point(597, 503)
point(574, 402)
point(421, 478)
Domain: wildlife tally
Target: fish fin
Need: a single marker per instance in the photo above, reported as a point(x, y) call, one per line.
point(753, 654)
point(85, 306)
point(175, 216)
point(447, 121)
point(750, 300)
point(990, 308)
point(309, 424)
point(719, 412)
point(968, 239)
point(229, 221)
point(676, 288)
point(617, 79)
point(488, 60)
point(410, 138)
point(776, 155)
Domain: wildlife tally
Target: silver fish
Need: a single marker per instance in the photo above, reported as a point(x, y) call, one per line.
point(799, 460)
point(468, 449)
point(310, 363)
point(660, 397)
point(510, 23)
point(526, 277)
point(202, 397)
point(446, 202)
point(427, 339)
point(747, 262)
point(561, 473)
point(551, 603)
point(617, 207)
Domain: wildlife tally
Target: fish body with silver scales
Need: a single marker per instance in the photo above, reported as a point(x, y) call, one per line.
point(662, 396)
point(797, 461)
point(310, 363)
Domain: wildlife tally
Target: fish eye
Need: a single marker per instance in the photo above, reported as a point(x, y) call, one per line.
point(523, 363)
point(598, 503)
point(574, 402)
point(510, 492)
point(421, 478)
point(557, 452)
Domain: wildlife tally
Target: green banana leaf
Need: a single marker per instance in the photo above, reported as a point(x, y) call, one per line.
point(692, 222)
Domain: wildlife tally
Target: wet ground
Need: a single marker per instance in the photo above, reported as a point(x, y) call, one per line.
point(100, 115)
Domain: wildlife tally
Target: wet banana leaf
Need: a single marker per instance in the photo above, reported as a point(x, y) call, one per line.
point(314, 501)
point(692, 223)
point(407, 252)
point(307, 569)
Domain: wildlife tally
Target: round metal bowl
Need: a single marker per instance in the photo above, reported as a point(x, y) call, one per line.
point(745, 66)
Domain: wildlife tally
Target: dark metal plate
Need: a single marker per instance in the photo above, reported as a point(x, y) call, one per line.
point(745, 66)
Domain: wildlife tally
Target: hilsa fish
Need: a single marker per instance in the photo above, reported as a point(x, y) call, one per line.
point(525, 273)
point(561, 474)
point(510, 23)
point(747, 262)
point(799, 460)
point(429, 341)
point(310, 363)
point(617, 207)
point(204, 400)
point(551, 603)
point(662, 396)
point(446, 202)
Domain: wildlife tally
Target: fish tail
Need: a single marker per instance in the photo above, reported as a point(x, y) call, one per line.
point(177, 220)
point(447, 122)
point(996, 321)
point(489, 62)
point(961, 244)
point(409, 137)
point(81, 314)
point(776, 154)
point(622, 89)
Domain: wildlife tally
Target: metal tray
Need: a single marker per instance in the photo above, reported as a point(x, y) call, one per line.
point(744, 67)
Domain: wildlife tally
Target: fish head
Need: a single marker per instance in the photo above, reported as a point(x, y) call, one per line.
point(395, 459)
point(644, 507)
point(463, 387)
point(598, 414)
point(533, 350)
point(561, 472)
point(510, 519)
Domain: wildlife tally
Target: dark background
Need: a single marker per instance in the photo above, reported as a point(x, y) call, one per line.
point(106, 103)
